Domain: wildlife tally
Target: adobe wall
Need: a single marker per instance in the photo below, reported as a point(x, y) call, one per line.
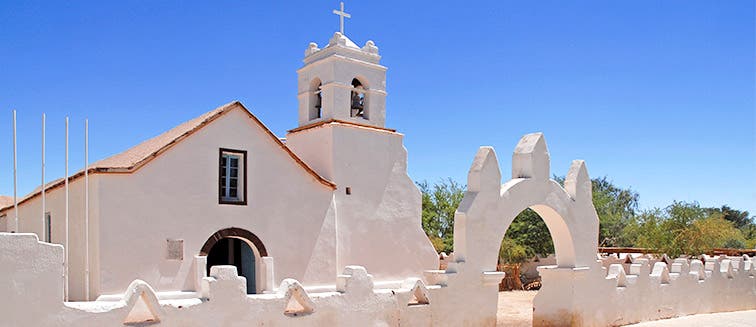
point(383, 212)
point(578, 291)
point(175, 196)
point(30, 221)
point(32, 296)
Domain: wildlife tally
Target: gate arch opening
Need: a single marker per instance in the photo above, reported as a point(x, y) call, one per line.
point(527, 244)
point(488, 208)
point(237, 247)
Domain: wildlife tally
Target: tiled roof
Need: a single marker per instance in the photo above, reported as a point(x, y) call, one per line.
point(6, 201)
point(145, 151)
point(136, 157)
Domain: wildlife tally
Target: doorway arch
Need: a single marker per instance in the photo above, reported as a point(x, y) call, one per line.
point(237, 247)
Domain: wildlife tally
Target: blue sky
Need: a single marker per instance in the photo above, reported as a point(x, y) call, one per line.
point(656, 95)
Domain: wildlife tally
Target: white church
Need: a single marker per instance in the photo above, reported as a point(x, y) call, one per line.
point(223, 189)
point(219, 222)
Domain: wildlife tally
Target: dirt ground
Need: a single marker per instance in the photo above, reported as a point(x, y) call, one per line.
point(515, 308)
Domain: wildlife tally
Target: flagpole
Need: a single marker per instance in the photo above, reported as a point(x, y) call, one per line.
point(86, 207)
point(15, 178)
point(44, 227)
point(67, 245)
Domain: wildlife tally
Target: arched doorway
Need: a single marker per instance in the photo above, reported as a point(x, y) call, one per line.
point(236, 247)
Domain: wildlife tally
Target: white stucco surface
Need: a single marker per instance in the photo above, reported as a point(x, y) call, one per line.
point(383, 212)
point(578, 291)
point(283, 201)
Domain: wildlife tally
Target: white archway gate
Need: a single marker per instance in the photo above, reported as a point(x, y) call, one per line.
point(487, 210)
point(577, 291)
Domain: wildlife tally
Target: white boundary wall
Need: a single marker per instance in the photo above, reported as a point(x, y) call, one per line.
point(578, 291)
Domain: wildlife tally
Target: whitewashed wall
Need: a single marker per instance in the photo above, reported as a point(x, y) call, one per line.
point(30, 221)
point(379, 223)
point(176, 196)
point(578, 291)
point(33, 296)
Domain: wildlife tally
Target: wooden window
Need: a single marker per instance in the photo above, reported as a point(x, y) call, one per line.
point(232, 174)
point(48, 228)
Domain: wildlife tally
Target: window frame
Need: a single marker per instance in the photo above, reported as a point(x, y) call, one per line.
point(243, 180)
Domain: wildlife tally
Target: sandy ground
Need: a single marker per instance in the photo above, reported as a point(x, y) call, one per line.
point(723, 319)
point(515, 308)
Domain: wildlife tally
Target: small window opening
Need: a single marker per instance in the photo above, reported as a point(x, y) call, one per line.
point(358, 99)
point(348, 190)
point(318, 101)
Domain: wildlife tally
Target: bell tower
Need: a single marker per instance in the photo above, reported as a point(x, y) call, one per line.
point(342, 82)
point(376, 207)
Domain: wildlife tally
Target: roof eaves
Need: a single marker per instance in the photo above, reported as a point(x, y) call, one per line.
point(341, 122)
point(130, 169)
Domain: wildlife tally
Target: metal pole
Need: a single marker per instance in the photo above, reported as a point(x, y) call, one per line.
point(86, 207)
point(15, 176)
point(67, 246)
point(44, 227)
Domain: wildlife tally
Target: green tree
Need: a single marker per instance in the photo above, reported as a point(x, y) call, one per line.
point(616, 208)
point(529, 230)
point(645, 230)
point(683, 228)
point(511, 257)
point(439, 204)
point(740, 219)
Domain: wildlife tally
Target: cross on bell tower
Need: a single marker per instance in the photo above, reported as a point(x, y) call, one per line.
point(342, 14)
point(342, 82)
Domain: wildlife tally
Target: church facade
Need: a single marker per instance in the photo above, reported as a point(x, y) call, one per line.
point(222, 189)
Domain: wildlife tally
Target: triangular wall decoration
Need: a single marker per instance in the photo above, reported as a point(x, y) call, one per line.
point(142, 304)
point(298, 302)
point(418, 292)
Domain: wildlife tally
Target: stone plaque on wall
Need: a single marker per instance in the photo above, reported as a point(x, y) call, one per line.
point(175, 249)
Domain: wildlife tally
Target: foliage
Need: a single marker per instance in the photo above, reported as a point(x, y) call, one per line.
point(511, 257)
point(512, 252)
point(680, 228)
point(739, 218)
point(529, 230)
point(683, 228)
point(616, 207)
point(439, 204)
